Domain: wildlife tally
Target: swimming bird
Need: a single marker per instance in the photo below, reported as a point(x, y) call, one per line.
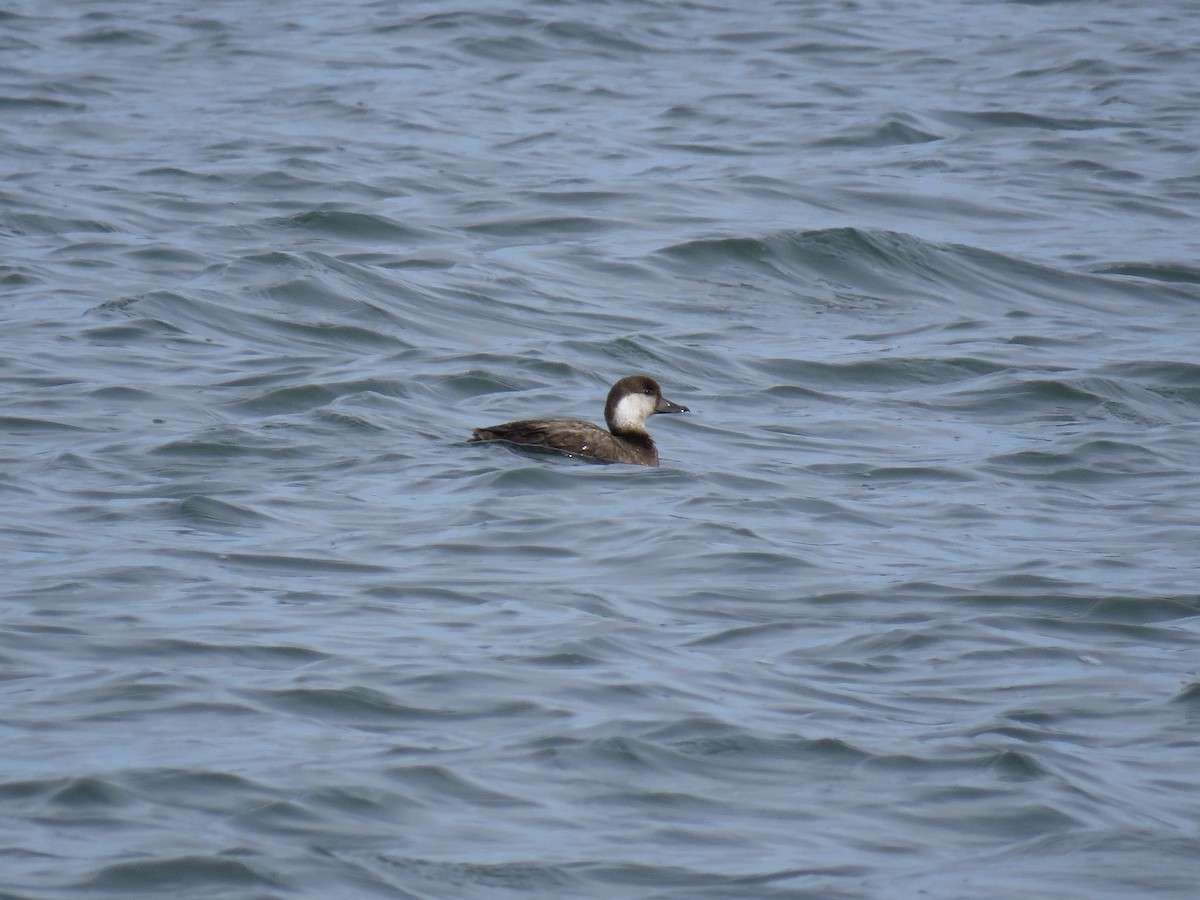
point(630, 402)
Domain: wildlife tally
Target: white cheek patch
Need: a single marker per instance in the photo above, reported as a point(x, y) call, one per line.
point(631, 412)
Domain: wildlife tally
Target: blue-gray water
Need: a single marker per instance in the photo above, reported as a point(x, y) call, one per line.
point(911, 607)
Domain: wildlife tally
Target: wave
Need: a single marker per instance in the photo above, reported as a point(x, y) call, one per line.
point(891, 266)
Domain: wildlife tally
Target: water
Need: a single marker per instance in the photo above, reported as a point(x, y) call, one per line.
point(910, 608)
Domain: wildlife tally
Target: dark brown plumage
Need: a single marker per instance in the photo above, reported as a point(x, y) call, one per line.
point(630, 402)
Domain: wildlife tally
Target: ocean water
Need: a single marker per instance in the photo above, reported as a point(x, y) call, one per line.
point(911, 607)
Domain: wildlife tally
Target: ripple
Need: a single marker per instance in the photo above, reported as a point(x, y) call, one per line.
point(347, 224)
point(181, 873)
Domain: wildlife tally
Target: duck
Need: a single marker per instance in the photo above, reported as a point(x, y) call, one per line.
point(631, 401)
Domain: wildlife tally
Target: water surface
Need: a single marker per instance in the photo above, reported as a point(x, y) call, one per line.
point(910, 607)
